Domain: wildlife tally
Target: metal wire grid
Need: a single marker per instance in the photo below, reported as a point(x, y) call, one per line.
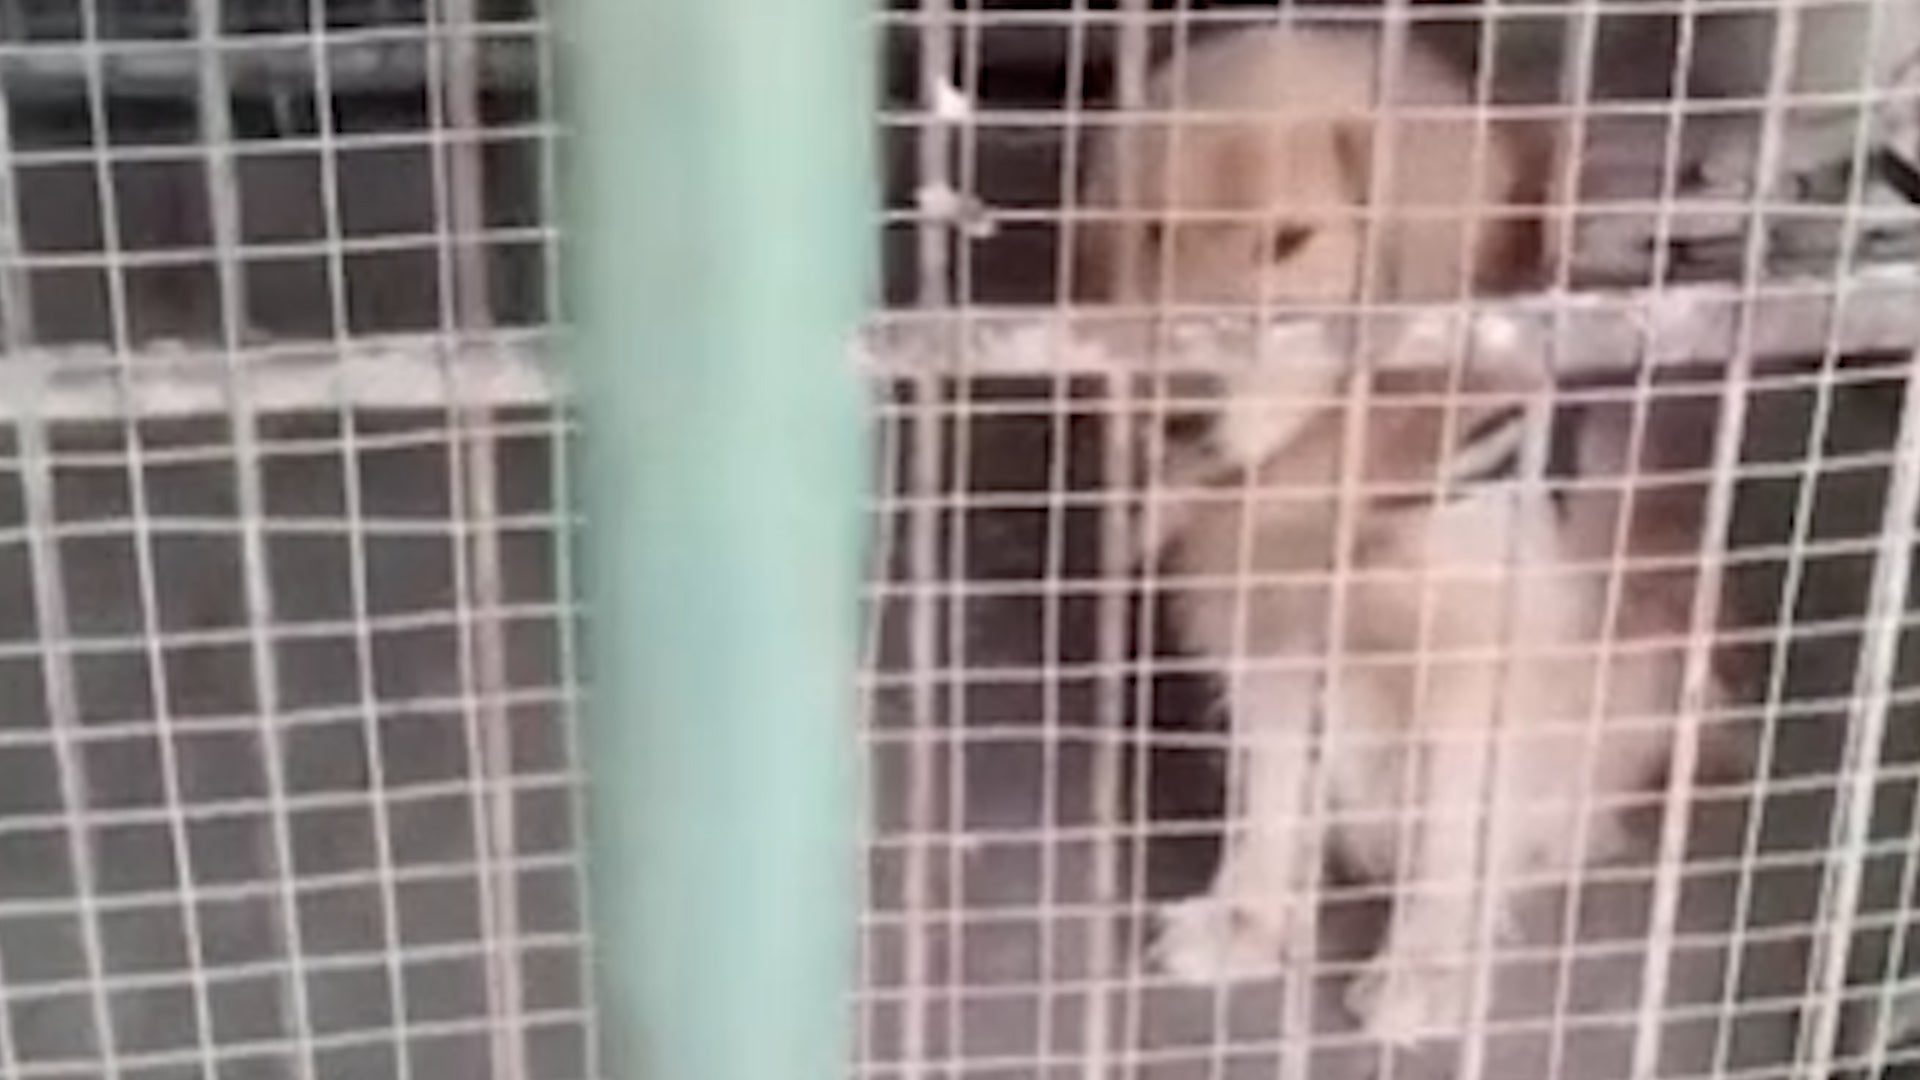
point(162, 20)
point(1040, 773)
point(290, 776)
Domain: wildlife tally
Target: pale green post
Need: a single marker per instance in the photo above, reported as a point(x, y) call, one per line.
point(718, 239)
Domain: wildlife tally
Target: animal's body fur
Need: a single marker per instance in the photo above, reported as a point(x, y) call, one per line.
point(1431, 652)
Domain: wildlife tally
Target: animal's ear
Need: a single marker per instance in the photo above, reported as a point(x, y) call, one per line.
point(1353, 153)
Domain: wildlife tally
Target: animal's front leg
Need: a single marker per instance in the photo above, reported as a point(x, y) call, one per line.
point(1420, 982)
point(1252, 919)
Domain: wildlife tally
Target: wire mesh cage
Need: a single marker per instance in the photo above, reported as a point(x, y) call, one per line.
point(288, 759)
point(289, 768)
point(1068, 737)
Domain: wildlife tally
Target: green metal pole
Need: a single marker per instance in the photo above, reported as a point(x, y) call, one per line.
point(718, 249)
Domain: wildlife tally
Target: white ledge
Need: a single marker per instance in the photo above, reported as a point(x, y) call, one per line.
point(1600, 332)
point(177, 380)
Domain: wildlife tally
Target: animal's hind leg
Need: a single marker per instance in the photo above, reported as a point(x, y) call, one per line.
point(1251, 919)
point(1419, 983)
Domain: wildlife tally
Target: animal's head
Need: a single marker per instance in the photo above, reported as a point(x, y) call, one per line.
point(1265, 170)
point(1262, 173)
point(1239, 211)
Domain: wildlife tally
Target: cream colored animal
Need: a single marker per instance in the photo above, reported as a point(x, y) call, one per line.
point(1475, 734)
point(1467, 739)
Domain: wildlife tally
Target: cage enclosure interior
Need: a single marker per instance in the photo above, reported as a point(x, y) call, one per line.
point(290, 773)
point(1073, 663)
point(287, 756)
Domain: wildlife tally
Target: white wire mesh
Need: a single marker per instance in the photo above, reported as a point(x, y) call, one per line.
point(274, 286)
point(288, 776)
point(1042, 783)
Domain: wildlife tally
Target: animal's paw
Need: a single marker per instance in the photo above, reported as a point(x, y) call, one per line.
point(1400, 1003)
point(1207, 939)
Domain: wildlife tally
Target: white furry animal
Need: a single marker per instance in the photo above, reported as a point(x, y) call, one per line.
point(1467, 740)
point(1451, 757)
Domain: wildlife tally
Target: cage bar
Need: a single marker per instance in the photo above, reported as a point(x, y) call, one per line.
point(14, 332)
point(473, 478)
point(933, 250)
point(720, 198)
point(1867, 719)
point(1677, 808)
point(1133, 45)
